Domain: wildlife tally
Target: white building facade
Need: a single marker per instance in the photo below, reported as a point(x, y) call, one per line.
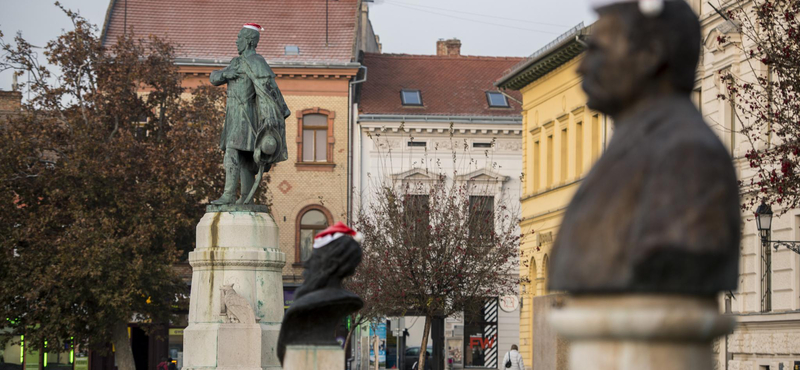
point(414, 121)
point(767, 302)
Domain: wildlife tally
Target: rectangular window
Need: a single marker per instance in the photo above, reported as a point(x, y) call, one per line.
point(315, 138)
point(595, 137)
point(411, 97)
point(480, 335)
point(549, 160)
point(481, 214)
point(416, 209)
point(496, 99)
point(564, 155)
point(578, 148)
point(537, 158)
point(417, 144)
point(481, 145)
point(291, 50)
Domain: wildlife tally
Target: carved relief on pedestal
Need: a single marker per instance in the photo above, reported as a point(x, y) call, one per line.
point(235, 307)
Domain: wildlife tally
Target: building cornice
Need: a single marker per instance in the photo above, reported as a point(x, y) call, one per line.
point(398, 118)
point(272, 63)
point(559, 51)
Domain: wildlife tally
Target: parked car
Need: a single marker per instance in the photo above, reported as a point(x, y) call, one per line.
point(412, 356)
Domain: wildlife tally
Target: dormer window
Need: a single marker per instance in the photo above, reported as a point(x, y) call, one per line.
point(411, 97)
point(496, 99)
point(291, 50)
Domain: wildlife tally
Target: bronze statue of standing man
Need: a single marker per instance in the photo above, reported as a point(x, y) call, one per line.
point(254, 136)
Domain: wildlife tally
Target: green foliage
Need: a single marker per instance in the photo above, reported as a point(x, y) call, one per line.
point(102, 180)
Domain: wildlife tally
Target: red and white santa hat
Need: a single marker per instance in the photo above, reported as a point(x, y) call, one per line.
point(335, 232)
point(253, 26)
point(650, 8)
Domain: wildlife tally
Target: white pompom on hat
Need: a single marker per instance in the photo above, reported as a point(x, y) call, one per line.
point(334, 232)
point(650, 8)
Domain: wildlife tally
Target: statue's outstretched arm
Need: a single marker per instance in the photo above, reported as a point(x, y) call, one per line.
point(222, 76)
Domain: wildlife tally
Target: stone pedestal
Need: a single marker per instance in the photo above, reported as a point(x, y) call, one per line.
point(300, 357)
point(239, 248)
point(640, 331)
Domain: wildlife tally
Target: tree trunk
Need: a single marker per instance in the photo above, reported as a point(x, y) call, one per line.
point(122, 347)
point(375, 348)
point(423, 347)
point(437, 336)
point(347, 340)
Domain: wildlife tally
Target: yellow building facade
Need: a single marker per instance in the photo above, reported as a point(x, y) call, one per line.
point(562, 138)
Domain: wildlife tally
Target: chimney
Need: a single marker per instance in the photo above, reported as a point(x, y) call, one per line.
point(448, 48)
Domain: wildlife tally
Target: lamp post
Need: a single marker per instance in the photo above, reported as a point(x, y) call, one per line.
point(764, 224)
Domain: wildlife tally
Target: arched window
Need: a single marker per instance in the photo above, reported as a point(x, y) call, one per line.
point(315, 139)
point(311, 220)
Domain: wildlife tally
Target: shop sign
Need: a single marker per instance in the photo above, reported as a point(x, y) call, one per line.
point(176, 331)
point(288, 297)
point(509, 303)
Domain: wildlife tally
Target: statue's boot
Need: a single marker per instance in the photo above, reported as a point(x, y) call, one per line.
point(231, 181)
point(248, 180)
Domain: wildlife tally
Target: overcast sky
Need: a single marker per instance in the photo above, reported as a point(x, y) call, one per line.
point(485, 27)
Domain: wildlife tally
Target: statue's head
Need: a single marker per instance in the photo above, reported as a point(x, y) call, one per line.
point(632, 56)
point(248, 40)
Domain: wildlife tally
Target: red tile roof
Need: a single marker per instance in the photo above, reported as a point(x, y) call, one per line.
point(454, 86)
point(207, 29)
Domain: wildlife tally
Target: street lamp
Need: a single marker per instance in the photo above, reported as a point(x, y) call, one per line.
point(764, 224)
point(764, 220)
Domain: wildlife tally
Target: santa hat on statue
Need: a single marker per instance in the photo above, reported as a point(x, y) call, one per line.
point(253, 26)
point(335, 232)
point(650, 8)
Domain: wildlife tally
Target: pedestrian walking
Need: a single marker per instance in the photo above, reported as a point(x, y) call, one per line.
point(513, 360)
point(171, 364)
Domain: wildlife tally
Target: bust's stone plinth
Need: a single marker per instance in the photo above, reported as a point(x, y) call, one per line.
point(648, 332)
point(240, 249)
point(310, 357)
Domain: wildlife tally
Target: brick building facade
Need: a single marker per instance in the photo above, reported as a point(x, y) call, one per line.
point(313, 47)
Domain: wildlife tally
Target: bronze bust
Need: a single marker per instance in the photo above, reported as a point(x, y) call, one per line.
point(659, 211)
point(321, 303)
